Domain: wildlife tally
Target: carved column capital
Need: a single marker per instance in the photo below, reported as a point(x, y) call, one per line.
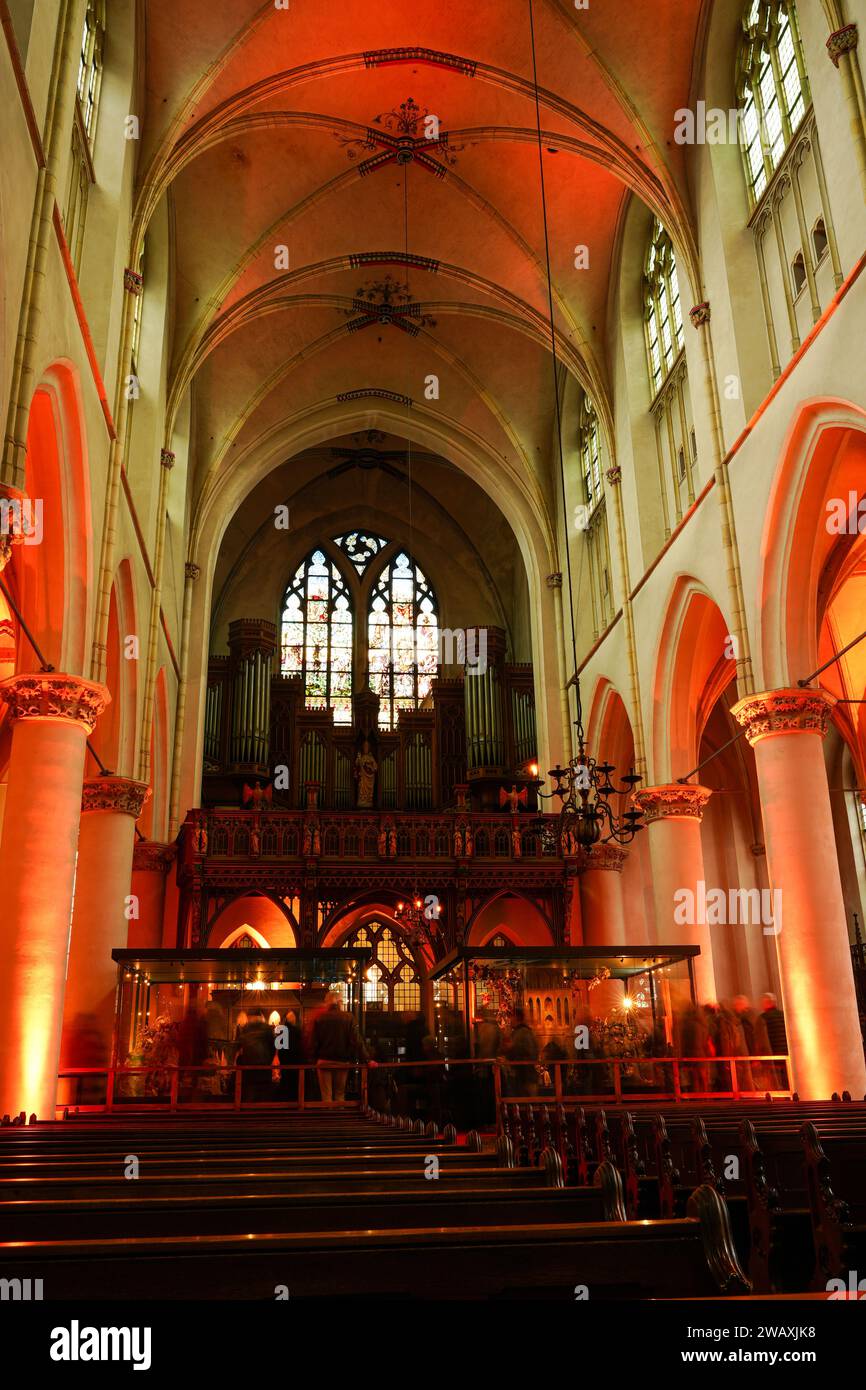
point(55, 696)
point(192, 571)
point(673, 801)
point(614, 474)
point(166, 458)
point(841, 41)
point(554, 581)
point(152, 856)
point(789, 711)
point(605, 857)
point(133, 281)
point(700, 313)
point(117, 794)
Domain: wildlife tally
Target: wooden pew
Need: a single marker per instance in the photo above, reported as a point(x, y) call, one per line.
point(654, 1259)
point(836, 1187)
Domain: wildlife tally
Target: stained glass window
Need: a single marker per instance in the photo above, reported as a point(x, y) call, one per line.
point(772, 88)
point(403, 638)
point(317, 635)
point(662, 312)
point(391, 979)
point(360, 548)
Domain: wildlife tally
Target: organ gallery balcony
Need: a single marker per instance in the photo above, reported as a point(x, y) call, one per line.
point(278, 836)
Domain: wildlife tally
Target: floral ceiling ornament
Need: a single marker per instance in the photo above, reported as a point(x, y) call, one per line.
point(385, 302)
point(407, 134)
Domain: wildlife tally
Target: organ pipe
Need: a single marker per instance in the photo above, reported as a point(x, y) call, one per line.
point(252, 642)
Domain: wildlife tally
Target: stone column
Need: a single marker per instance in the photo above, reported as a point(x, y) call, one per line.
point(842, 51)
point(601, 897)
point(151, 863)
point(52, 716)
point(673, 817)
point(786, 729)
point(110, 806)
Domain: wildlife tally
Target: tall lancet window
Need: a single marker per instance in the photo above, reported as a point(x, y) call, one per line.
point(772, 88)
point(317, 635)
point(403, 638)
point(662, 311)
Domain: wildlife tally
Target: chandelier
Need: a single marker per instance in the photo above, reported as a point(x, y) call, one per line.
point(420, 923)
point(583, 788)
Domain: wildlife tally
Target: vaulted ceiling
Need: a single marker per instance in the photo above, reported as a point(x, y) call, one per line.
point(406, 257)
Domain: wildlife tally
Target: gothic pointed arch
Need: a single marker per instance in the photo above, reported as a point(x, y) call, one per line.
point(695, 662)
point(54, 597)
point(267, 922)
point(515, 915)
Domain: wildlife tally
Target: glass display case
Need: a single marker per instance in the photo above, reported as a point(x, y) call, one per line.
point(579, 1001)
point(157, 989)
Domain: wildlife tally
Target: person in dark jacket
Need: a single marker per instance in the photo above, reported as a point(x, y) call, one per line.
point(335, 1043)
point(774, 1022)
point(257, 1050)
point(523, 1047)
point(290, 1051)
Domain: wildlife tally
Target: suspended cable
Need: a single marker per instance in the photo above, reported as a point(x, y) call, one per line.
point(554, 366)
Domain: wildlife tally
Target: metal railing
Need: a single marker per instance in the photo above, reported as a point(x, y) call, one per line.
point(446, 1083)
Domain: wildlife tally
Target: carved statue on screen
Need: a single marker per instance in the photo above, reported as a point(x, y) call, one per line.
point(366, 768)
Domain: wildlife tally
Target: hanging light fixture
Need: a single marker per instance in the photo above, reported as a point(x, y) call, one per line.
point(421, 929)
point(584, 788)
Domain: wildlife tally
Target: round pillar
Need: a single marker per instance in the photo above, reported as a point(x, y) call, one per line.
point(103, 908)
point(673, 814)
point(151, 863)
point(601, 900)
point(52, 716)
point(786, 729)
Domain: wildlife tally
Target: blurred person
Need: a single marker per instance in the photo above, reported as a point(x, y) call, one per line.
point(552, 1052)
point(335, 1043)
point(719, 1076)
point(774, 1022)
point(693, 1035)
point(733, 1044)
point(381, 1087)
point(488, 1049)
point(291, 1055)
point(416, 1032)
point(257, 1050)
point(522, 1047)
point(754, 1026)
point(433, 1079)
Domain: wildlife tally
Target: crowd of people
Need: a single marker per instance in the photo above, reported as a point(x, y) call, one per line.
point(331, 1041)
point(271, 1054)
point(705, 1032)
